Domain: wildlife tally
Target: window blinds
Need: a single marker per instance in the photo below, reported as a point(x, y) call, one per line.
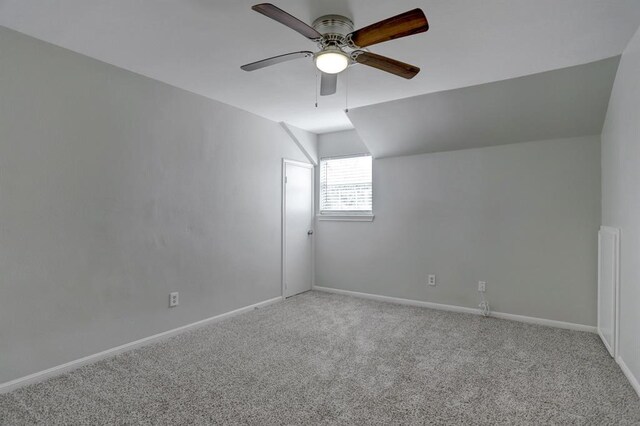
point(345, 184)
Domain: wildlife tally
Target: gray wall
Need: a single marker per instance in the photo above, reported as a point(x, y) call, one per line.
point(306, 141)
point(116, 189)
point(621, 194)
point(340, 143)
point(523, 217)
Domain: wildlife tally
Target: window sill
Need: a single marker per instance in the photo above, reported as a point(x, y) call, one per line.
point(347, 217)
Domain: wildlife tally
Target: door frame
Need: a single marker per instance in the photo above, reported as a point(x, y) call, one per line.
point(615, 234)
point(286, 161)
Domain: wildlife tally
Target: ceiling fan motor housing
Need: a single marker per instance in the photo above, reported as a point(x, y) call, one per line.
point(334, 30)
point(333, 24)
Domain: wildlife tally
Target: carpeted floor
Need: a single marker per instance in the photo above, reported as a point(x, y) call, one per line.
point(326, 359)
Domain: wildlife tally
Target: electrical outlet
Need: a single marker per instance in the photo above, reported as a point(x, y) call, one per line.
point(432, 280)
point(482, 286)
point(174, 299)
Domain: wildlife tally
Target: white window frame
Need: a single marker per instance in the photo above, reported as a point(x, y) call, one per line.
point(345, 215)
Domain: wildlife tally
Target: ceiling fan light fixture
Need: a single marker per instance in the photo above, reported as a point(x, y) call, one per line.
point(332, 33)
point(332, 61)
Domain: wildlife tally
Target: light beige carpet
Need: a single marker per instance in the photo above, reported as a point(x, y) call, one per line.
point(327, 359)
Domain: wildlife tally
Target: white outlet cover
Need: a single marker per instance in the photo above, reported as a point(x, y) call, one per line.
point(482, 286)
point(174, 299)
point(432, 280)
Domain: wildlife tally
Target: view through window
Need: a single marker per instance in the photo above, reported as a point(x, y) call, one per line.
point(346, 185)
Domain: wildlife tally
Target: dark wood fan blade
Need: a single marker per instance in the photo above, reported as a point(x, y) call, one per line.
point(277, 14)
point(387, 64)
point(276, 60)
point(328, 84)
point(405, 24)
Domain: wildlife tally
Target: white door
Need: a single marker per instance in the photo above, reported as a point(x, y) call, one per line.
point(297, 227)
point(608, 293)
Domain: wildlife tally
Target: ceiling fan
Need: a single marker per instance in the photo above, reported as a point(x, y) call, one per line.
point(341, 46)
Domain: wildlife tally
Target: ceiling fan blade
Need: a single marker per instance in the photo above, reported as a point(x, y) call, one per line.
point(277, 14)
point(328, 84)
point(276, 60)
point(386, 64)
point(405, 24)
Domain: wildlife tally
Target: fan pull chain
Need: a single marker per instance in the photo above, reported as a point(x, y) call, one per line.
point(316, 87)
point(346, 90)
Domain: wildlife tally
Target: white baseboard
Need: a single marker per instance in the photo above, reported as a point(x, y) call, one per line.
point(627, 372)
point(398, 300)
point(72, 365)
point(606, 343)
point(454, 308)
point(546, 322)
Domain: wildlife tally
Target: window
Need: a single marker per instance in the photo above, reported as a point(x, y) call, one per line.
point(345, 186)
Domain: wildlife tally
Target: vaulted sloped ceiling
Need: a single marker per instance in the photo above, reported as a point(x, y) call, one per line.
point(562, 103)
point(199, 45)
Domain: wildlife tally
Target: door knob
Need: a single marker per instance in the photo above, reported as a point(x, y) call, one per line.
point(310, 232)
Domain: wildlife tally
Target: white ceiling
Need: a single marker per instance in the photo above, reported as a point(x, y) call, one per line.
point(556, 104)
point(199, 45)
